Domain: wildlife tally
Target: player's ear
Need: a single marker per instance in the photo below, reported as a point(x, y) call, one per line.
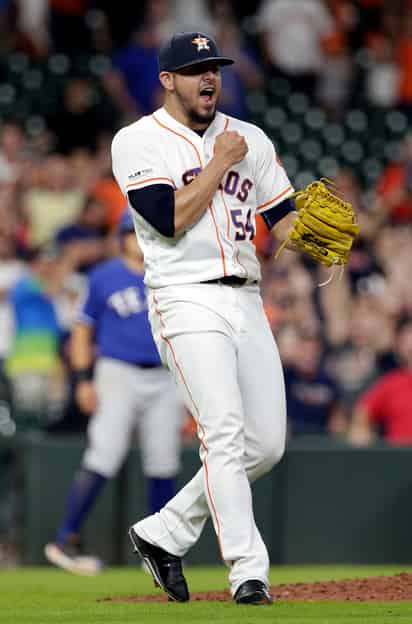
point(167, 80)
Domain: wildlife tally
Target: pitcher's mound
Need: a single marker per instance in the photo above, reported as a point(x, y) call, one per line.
point(373, 588)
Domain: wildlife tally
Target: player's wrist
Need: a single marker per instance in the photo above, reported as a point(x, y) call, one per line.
point(222, 162)
point(80, 375)
point(282, 229)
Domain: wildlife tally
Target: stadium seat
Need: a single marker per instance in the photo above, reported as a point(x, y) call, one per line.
point(291, 133)
point(32, 79)
point(310, 150)
point(327, 167)
point(304, 177)
point(352, 152)
point(8, 94)
point(35, 125)
point(16, 64)
point(275, 117)
point(333, 134)
point(291, 164)
point(279, 89)
point(59, 64)
point(298, 103)
point(257, 102)
point(315, 119)
point(356, 120)
point(99, 64)
point(396, 122)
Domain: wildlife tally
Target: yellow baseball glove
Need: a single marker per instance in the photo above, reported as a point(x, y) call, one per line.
point(325, 226)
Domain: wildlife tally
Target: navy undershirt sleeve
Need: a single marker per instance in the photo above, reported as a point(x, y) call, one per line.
point(156, 204)
point(275, 214)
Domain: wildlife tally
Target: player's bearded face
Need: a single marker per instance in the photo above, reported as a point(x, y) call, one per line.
point(197, 90)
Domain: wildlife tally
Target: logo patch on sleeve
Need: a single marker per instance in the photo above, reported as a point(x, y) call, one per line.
point(139, 174)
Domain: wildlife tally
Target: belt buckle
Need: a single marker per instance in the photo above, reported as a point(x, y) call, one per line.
point(242, 281)
point(234, 281)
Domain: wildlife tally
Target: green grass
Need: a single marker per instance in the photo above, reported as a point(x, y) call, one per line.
point(48, 596)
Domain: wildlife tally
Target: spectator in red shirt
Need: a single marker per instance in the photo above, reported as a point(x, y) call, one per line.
point(404, 58)
point(394, 191)
point(387, 405)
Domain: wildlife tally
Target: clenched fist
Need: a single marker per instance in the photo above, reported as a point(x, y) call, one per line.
point(230, 147)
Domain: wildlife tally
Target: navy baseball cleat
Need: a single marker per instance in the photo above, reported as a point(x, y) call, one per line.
point(165, 568)
point(253, 592)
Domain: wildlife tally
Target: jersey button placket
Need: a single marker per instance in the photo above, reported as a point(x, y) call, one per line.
point(206, 150)
point(224, 210)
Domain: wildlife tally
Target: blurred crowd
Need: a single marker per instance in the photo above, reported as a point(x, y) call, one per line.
point(59, 205)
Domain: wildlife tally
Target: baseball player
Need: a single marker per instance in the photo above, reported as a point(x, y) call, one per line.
point(195, 179)
point(129, 388)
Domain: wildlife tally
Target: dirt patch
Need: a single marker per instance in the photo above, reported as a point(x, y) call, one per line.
point(371, 589)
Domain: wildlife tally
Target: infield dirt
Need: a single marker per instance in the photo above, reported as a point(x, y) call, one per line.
point(370, 589)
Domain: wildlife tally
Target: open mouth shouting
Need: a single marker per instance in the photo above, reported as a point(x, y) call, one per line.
point(207, 95)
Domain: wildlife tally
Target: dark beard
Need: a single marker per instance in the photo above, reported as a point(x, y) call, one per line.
point(201, 119)
point(194, 117)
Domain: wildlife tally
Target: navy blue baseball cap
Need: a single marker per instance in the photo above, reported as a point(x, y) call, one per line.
point(185, 49)
point(126, 224)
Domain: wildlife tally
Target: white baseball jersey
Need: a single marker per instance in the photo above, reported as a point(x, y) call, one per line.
point(157, 149)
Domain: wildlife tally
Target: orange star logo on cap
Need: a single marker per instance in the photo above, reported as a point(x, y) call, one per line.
point(202, 43)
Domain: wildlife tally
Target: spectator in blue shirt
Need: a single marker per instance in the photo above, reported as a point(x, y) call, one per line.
point(312, 395)
point(85, 241)
point(133, 81)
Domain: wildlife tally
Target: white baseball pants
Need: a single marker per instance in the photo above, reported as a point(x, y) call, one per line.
point(217, 342)
point(132, 399)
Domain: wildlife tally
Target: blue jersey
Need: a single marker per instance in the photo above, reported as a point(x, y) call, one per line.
point(116, 306)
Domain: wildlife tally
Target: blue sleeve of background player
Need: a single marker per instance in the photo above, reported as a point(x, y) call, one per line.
point(91, 308)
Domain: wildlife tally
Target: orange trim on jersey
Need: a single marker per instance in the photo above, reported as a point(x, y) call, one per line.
point(182, 136)
point(222, 253)
point(227, 218)
point(221, 191)
point(227, 214)
point(150, 180)
point(274, 198)
point(201, 439)
point(234, 245)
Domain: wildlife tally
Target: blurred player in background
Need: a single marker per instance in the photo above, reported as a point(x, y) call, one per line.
point(129, 388)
